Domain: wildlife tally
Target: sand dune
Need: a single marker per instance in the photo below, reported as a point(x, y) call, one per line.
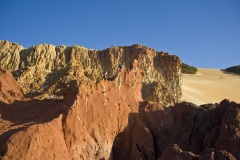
point(210, 86)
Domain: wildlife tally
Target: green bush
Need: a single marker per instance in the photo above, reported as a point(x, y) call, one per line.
point(234, 69)
point(188, 69)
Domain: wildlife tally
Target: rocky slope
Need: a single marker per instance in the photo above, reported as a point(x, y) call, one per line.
point(111, 121)
point(99, 118)
point(9, 88)
point(183, 131)
point(44, 71)
point(82, 126)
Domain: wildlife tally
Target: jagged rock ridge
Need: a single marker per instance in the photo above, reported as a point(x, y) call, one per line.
point(44, 71)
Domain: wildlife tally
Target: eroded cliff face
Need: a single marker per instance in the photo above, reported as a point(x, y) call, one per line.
point(110, 120)
point(183, 131)
point(82, 126)
point(44, 71)
point(9, 88)
point(74, 112)
point(9, 55)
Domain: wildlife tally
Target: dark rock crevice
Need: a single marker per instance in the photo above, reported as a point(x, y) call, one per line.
point(194, 134)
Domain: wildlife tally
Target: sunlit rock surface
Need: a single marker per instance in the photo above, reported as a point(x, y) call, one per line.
point(44, 71)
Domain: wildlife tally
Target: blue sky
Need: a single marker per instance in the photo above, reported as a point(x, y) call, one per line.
point(203, 33)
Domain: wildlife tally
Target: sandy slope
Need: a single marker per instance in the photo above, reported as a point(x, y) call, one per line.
point(210, 86)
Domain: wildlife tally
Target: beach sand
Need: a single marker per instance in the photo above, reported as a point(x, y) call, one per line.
point(210, 86)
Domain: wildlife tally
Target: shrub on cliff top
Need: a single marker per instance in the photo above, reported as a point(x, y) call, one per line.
point(188, 69)
point(234, 69)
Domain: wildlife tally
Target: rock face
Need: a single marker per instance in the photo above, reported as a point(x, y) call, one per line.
point(9, 88)
point(109, 118)
point(82, 126)
point(183, 131)
point(44, 71)
point(9, 55)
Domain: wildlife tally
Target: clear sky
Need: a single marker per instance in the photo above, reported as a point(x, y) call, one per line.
point(203, 33)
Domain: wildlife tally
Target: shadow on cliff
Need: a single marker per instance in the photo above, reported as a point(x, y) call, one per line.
point(149, 91)
point(33, 111)
point(196, 130)
point(137, 141)
point(52, 77)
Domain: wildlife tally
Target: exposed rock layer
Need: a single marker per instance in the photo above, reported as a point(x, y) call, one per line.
point(9, 55)
point(109, 120)
point(106, 119)
point(44, 71)
point(82, 126)
point(183, 131)
point(9, 88)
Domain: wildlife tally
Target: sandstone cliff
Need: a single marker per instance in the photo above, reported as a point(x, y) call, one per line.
point(9, 55)
point(9, 88)
point(72, 112)
point(82, 126)
point(110, 120)
point(183, 131)
point(44, 71)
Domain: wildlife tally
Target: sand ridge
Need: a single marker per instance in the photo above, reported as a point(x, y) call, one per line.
point(210, 86)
